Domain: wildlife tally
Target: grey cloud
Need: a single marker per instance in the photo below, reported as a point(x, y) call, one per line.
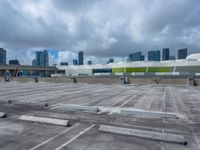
point(101, 28)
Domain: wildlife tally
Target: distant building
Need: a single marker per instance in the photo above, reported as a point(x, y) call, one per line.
point(2, 56)
point(75, 62)
point(154, 55)
point(137, 56)
point(111, 60)
point(165, 54)
point(42, 58)
point(89, 62)
point(80, 58)
point(172, 58)
point(182, 53)
point(34, 62)
point(14, 62)
point(64, 63)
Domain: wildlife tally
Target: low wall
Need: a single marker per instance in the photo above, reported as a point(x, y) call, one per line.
point(110, 80)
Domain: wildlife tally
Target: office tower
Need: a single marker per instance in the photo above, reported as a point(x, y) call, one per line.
point(80, 58)
point(154, 55)
point(182, 53)
point(34, 62)
point(111, 60)
point(14, 62)
point(165, 54)
point(2, 56)
point(46, 58)
point(64, 63)
point(42, 58)
point(89, 62)
point(75, 62)
point(172, 58)
point(137, 56)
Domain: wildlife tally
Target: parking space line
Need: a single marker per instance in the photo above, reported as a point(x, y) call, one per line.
point(121, 105)
point(75, 137)
point(54, 137)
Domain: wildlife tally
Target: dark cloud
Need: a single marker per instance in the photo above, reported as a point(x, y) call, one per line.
point(101, 28)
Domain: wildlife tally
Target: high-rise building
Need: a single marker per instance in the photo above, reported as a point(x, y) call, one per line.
point(89, 62)
point(42, 58)
point(137, 56)
point(34, 62)
point(64, 63)
point(75, 62)
point(111, 60)
point(182, 53)
point(2, 56)
point(165, 54)
point(80, 58)
point(14, 62)
point(154, 55)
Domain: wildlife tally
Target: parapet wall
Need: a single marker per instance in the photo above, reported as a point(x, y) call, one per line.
point(110, 80)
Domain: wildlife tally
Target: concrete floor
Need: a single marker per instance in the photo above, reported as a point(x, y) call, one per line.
point(83, 134)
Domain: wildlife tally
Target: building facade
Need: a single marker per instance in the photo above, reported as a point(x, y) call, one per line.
point(14, 62)
point(75, 62)
point(80, 58)
point(154, 55)
point(182, 53)
point(137, 56)
point(42, 58)
point(2, 56)
point(165, 54)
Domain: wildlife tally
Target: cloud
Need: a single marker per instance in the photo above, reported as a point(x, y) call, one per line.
point(100, 28)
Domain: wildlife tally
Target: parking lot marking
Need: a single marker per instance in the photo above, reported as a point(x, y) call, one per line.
point(54, 137)
point(121, 105)
point(75, 137)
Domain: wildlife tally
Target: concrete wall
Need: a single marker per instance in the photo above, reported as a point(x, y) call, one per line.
point(111, 80)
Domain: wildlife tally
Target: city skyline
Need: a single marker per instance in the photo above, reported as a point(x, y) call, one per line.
point(122, 28)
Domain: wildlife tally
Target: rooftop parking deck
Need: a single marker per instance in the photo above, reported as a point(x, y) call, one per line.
point(103, 105)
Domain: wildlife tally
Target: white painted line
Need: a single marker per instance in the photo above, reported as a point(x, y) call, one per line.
point(75, 137)
point(150, 114)
point(47, 141)
point(116, 109)
point(156, 136)
point(3, 115)
point(45, 120)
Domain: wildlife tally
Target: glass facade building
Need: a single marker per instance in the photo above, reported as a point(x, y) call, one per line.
point(182, 53)
point(137, 56)
point(2, 56)
point(80, 58)
point(165, 54)
point(154, 55)
point(42, 58)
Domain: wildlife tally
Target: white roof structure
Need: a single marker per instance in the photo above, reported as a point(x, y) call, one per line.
point(194, 57)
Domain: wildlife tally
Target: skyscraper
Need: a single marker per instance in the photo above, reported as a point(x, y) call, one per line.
point(42, 58)
point(14, 62)
point(75, 62)
point(2, 56)
point(111, 60)
point(182, 53)
point(89, 62)
point(154, 55)
point(165, 54)
point(80, 58)
point(137, 56)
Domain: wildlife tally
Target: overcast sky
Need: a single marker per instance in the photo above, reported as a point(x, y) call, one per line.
point(100, 28)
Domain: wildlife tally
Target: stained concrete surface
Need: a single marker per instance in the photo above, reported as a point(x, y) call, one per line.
point(30, 99)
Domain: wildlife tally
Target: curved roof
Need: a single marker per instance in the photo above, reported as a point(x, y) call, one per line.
point(194, 56)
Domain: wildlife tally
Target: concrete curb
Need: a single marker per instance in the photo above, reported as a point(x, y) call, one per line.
point(51, 121)
point(3, 115)
point(150, 114)
point(155, 136)
point(72, 107)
